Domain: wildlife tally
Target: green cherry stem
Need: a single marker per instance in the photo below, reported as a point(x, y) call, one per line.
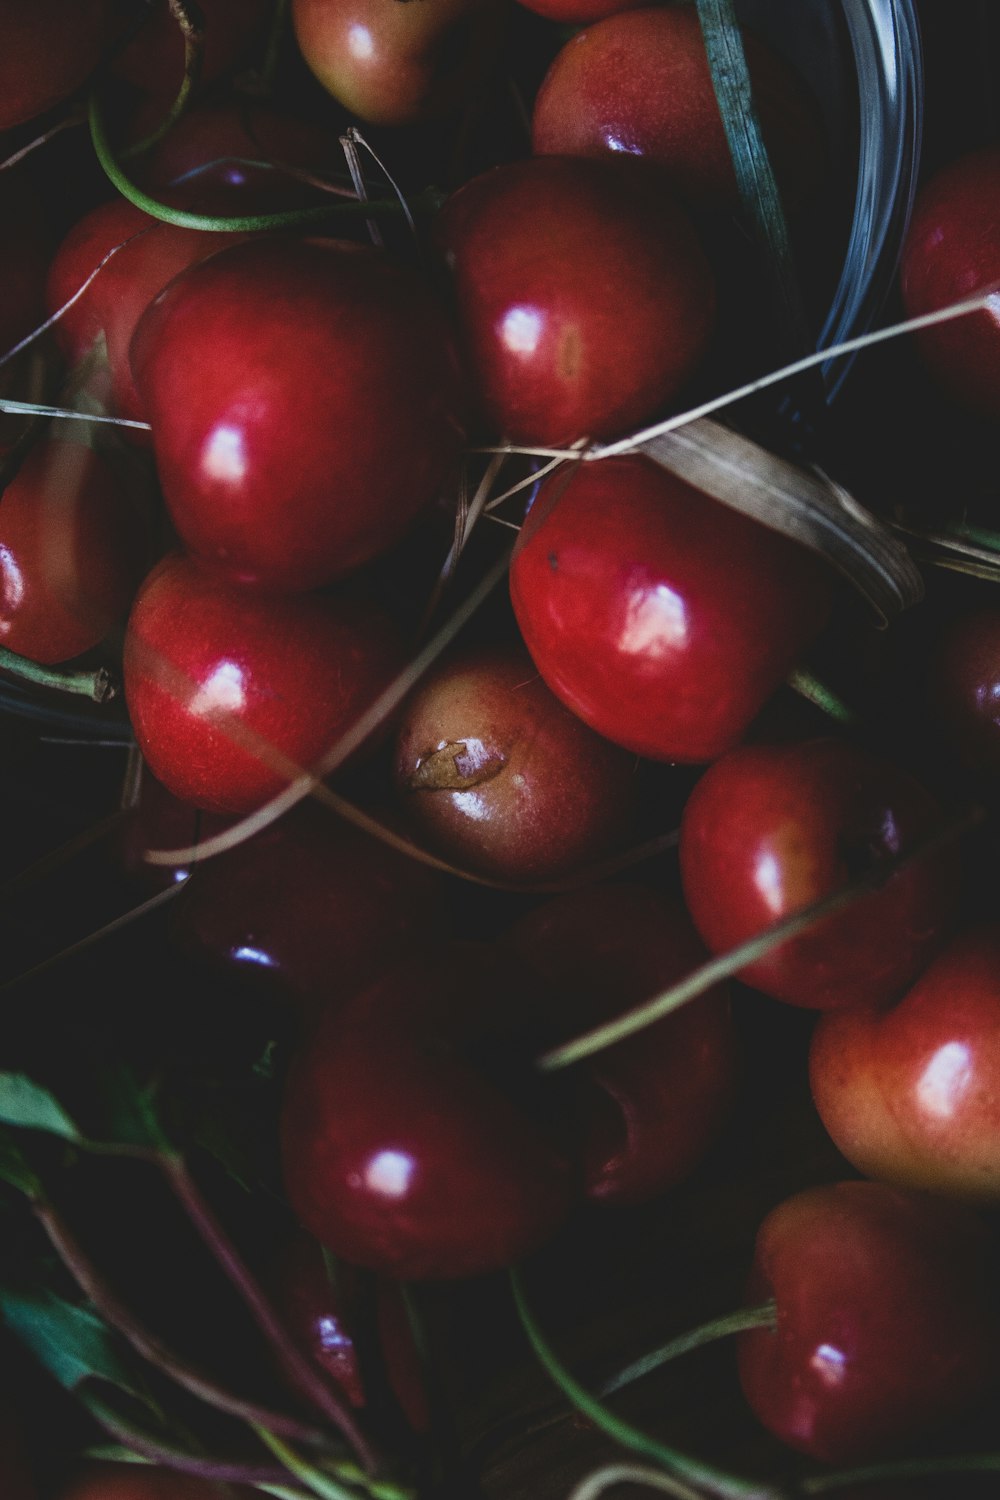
point(192, 25)
point(426, 202)
point(100, 686)
point(913, 1468)
point(821, 696)
point(726, 965)
point(325, 1485)
point(744, 1318)
point(706, 1477)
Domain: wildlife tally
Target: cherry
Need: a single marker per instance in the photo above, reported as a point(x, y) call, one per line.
point(303, 397)
point(232, 695)
point(399, 1153)
point(316, 905)
point(123, 288)
point(952, 251)
point(392, 65)
point(130, 1481)
point(159, 821)
point(661, 617)
point(885, 1319)
point(71, 552)
point(576, 12)
point(639, 83)
point(585, 297)
point(648, 1107)
point(316, 1310)
point(49, 49)
point(963, 688)
point(502, 778)
point(770, 829)
point(909, 1094)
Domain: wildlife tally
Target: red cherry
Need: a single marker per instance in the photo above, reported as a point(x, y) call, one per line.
point(303, 398)
point(885, 1319)
point(771, 829)
point(910, 1094)
point(314, 904)
point(71, 552)
point(502, 778)
point(129, 1481)
point(48, 50)
point(316, 1312)
point(951, 252)
point(584, 294)
point(639, 83)
point(661, 617)
point(123, 288)
point(650, 1106)
point(963, 688)
point(400, 1154)
point(231, 695)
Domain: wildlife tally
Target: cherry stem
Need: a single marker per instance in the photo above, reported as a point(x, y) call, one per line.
point(428, 201)
point(708, 1478)
point(726, 965)
point(192, 24)
point(911, 1468)
point(754, 174)
point(821, 696)
point(744, 1318)
point(325, 1485)
point(611, 1475)
point(100, 686)
point(139, 1442)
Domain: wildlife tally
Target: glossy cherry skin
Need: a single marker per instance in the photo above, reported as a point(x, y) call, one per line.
point(646, 1108)
point(963, 689)
point(304, 399)
point(126, 1481)
point(584, 295)
point(233, 695)
point(151, 254)
point(504, 780)
point(909, 1094)
point(317, 1312)
point(397, 64)
point(49, 48)
point(399, 1152)
point(639, 83)
point(771, 829)
point(886, 1319)
point(71, 552)
point(317, 906)
point(661, 617)
point(951, 252)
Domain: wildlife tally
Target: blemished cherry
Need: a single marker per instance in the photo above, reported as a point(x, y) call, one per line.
point(232, 694)
point(661, 617)
point(963, 689)
point(399, 1152)
point(770, 829)
point(49, 49)
point(152, 254)
point(886, 1319)
point(585, 298)
point(317, 906)
point(305, 401)
point(398, 64)
point(130, 1481)
point(909, 1094)
point(71, 552)
point(647, 1108)
point(951, 252)
point(504, 780)
point(639, 83)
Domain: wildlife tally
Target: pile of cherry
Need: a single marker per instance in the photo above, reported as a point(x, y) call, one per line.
point(308, 401)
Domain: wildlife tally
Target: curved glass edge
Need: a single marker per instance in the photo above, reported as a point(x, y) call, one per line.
point(885, 39)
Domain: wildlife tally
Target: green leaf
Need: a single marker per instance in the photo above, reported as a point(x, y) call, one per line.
point(31, 1107)
point(14, 1169)
point(71, 1342)
point(132, 1119)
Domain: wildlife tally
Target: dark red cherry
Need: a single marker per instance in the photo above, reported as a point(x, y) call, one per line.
point(909, 1094)
point(648, 1107)
point(303, 397)
point(316, 1309)
point(661, 617)
point(71, 552)
point(315, 905)
point(639, 83)
point(886, 1319)
point(963, 689)
point(504, 780)
point(233, 695)
point(399, 1152)
point(584, 295)
point(951, 252)
point(770, 829)
point(47, 50)
point(157, 822)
